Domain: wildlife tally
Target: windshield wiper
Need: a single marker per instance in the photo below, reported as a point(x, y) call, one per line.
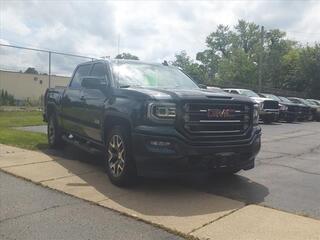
point(128, 86)
point(125, 86)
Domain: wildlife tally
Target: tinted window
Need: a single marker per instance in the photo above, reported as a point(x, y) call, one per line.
point(234, 92)
point(99, 70)
point(137, 74)
point(80, 73)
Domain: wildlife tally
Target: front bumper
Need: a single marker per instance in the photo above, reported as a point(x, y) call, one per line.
point(183, 156)
point(288, 115)
point(268, 112)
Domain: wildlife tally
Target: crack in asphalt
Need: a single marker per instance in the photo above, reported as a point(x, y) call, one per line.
point(296, 156)
point(39, 211)
point(288, 137)
point(294, 168)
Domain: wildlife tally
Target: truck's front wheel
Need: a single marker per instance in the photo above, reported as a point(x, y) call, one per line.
point(119, 162)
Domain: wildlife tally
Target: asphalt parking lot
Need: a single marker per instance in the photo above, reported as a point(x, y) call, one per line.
point(286, 177)
point(287, 172)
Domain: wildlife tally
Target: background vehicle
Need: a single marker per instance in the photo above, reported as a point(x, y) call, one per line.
point(303, 112)
point(311, 109)
point(268, 108)
point(316, 105)
point(314, 101)
point(288, 111)
point(152, 119)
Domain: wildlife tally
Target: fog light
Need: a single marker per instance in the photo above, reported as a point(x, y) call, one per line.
point(160, 143)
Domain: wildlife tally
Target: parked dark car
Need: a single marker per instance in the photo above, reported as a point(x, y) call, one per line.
point(304, 111)
point(288, 111)
point(315, 105)
point(268, 108)
point(151, 119)
point(308, 112)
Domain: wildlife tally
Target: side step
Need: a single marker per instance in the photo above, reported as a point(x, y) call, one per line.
point(86, 146)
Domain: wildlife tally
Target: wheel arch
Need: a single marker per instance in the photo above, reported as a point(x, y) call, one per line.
point(114, 119)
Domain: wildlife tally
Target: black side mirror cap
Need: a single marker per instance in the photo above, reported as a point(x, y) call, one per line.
point(94, 83)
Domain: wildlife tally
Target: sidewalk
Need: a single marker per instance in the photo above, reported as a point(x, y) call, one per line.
point(173, 207)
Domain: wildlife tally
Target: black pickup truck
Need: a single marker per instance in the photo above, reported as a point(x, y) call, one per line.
point(152, 119)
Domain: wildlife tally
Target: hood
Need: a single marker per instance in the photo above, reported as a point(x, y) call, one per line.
point(179, 94)
point(262, 99)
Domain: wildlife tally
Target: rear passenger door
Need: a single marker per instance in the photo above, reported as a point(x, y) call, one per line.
point(72, 101)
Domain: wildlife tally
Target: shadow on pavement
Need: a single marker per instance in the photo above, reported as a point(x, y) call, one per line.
point(166, 196)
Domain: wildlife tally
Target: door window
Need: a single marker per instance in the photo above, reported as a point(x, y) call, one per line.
point(99, 70)
point(81, 71)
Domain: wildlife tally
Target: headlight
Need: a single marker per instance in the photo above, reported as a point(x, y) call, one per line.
point(162, 112)
point(260, 106)
point(256, 114)
point(283, 107)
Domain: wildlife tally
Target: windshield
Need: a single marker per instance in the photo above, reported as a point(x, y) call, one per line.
point(285, 99)
point(304, 101)
point(296, 100)
point(137, 74)
point(313, 102)
point(249, 93)
point(272, 97)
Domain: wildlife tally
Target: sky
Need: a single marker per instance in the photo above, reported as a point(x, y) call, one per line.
point(151, 30)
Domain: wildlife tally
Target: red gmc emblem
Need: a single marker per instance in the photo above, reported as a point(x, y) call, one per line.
point(220, 113)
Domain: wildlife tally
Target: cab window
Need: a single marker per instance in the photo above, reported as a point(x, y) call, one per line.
point(81, 71)
point(99, 70)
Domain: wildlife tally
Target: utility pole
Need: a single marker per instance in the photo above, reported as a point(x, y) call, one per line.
point(49, 70)
point(260, 58)
point(119, 44)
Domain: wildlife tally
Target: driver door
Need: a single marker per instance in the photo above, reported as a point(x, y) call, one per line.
point(93, 109)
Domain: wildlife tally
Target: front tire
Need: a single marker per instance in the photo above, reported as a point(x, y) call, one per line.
point(267, 119)
point(119, 162)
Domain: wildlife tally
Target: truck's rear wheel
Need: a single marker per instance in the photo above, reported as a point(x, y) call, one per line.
point(119, 162)
point(54, 132)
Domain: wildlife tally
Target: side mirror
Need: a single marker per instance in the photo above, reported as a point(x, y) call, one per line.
point(202, 86)
point(94, 83)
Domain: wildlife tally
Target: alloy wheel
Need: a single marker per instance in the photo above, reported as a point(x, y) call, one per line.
point(116, 155)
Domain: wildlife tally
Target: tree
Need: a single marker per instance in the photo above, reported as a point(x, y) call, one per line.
point(31, 70)
point(127, 56)
point(194, 70)
point(238, 68)
point(232, 55)
point(220, 41)
point(247, 37)
point(6, 98)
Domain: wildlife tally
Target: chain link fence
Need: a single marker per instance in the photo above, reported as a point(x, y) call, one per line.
point(26, 73)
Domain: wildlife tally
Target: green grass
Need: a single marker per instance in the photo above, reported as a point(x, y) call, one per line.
point(19, 138)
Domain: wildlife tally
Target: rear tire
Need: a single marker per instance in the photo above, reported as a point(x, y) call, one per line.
point(54, 133)
point(119, 162)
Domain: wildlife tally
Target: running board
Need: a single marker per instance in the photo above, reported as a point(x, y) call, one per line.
point(84, 146)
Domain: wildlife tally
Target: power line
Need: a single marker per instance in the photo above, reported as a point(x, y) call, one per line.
point(46, 51)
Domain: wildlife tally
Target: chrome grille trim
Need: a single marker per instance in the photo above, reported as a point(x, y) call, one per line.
point(196, 120)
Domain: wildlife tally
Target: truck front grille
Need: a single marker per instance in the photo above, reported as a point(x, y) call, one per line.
point(216, 119)
point(293, 108)
point(270, 104)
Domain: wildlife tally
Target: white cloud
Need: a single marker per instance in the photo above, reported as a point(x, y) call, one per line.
point(152, 30)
